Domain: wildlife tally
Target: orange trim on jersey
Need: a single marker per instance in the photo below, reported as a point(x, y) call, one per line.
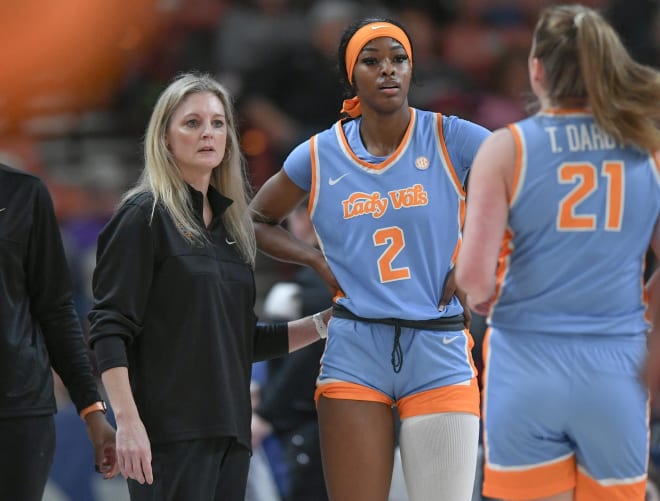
point(515, 184)
point(469, 350)
point(530, 482)
point(588, 489)
point(656, 160)
point(445, 155)
point(389, 160)
point(565, 111)
point(457, 249)
point(351, 391)
point(453, 398)
point(506, 249)
point(461, 212)
point(312, 191)
point(461, 222)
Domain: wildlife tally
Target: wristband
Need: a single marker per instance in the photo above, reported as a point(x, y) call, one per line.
point(321, 328)
point(96, 406)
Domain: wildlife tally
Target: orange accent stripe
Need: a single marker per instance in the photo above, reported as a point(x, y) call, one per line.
point(531, 483)
point(461, 222)
point(312, 190)
point(518, 167)
point(389, 160)
point(469, 350)
point(656, 160)
point(502, 263)
point(454, 398)
point(445, 155)
point(351, 391)
point(566, 111)
point(457, 249)
point(588, 489)
point(461, 210)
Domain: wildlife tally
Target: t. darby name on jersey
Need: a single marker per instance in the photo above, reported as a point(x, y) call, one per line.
point(360, 203)
point(580, 137)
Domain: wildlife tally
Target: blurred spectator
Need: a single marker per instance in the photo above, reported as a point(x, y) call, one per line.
point(287, 406)
point(295, 92)
point(437, 83)
point(503, 100)
point(638, 23)
point(252, 32)
point(483, 30)
point(265, 482)
point(99, 187)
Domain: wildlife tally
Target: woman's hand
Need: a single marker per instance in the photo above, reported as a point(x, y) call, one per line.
point(134, 450)
point(102, 436)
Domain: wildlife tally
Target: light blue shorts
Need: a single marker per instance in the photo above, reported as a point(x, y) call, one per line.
point(437, 372)
point(564, 412)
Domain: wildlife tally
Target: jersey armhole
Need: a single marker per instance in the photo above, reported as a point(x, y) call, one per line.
point(518, 168)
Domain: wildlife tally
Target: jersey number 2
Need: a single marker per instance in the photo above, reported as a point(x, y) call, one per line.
point(393, 238)
point(585, 178)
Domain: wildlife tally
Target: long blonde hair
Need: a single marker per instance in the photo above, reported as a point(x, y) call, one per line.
point(584, 58)
point(162, 178)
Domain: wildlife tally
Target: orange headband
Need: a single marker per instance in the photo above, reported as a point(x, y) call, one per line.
point(365, 35)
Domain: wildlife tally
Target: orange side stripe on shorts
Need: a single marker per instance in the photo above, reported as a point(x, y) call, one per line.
point(454, 398)
point(589, 489)
point(351, 391)
point(530, 483)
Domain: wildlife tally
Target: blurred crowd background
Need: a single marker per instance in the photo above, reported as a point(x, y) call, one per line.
point(79, 79)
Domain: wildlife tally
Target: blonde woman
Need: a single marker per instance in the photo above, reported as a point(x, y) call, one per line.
point(568, 200)
point(172, 325)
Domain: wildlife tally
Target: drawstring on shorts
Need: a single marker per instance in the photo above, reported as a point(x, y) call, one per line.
point(397, 352)
point(449, 324)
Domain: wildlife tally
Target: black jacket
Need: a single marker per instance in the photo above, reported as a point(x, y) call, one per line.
point(181, 317)
point(38, 323)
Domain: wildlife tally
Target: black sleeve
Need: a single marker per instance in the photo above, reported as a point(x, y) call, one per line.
point(270, 340)
point(51, 300)
point(121, 283)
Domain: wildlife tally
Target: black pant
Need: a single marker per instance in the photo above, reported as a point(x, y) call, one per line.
point(213, 469)
point(27, 447)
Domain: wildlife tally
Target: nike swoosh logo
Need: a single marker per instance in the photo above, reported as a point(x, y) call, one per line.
point(448, 340)
point(4, 208)
point(230, 242)
point(332, 182)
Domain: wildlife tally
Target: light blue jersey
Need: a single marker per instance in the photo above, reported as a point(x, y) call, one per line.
point(390, 227)
point(582, 212)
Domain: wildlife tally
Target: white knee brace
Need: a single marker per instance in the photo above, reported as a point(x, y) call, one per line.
point(439, 456)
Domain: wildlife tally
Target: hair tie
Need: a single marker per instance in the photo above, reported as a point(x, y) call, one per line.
point(352, 107)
